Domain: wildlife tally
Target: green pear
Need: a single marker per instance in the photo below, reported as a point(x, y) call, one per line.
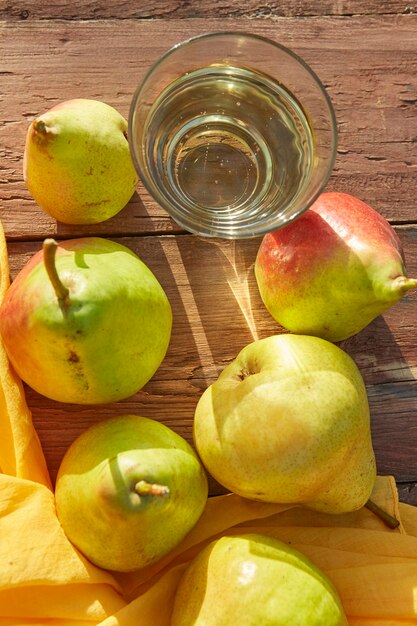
point(128, 490)
point(255, 580)
point(288, 421)
point(332, 270)
point(85, 322)
point(77, 162)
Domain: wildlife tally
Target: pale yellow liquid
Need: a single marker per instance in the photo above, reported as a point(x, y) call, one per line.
point(228, 146)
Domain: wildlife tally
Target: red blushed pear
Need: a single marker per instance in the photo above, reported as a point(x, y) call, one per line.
point(333, 270)
point(85, 322)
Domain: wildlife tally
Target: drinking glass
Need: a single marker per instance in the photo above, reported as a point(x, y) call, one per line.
point(232, 134)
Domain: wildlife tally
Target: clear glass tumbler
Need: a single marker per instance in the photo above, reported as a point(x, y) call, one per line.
point(232, 134)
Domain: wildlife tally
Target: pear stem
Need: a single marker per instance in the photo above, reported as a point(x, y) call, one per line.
point(388, 519)
point(405, 284)
point(49, 251)
point(143, 488)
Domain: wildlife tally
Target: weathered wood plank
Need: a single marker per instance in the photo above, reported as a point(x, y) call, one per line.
point(168, 9)
point(368, 64)
point(369, 67)
point(217, 310)
point(407, 492)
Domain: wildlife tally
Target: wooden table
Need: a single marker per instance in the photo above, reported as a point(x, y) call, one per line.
point(365, 52)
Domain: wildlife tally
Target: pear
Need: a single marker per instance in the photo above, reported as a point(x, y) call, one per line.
point(288, 422)
point(128, 490)
point(86, 321)
point(77, 162)
point(255, 580)
point(332, 270)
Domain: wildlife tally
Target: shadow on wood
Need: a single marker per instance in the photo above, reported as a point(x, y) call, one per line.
point(391, 385)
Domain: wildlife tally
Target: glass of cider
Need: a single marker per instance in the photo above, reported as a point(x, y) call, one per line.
point(232, 134)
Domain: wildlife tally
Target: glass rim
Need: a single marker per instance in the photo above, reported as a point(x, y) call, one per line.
point(261, 228)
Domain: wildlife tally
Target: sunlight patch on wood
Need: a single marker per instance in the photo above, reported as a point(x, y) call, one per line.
point(237, 277)
point(174, 258)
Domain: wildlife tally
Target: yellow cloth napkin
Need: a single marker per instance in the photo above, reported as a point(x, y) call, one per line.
point(45, 581)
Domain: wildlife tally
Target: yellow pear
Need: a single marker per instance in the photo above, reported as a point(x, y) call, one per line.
point(128, 490)
point(77, 162)
point(255, 580)
point(288, 421)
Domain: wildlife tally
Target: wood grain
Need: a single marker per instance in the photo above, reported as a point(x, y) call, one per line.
point(217, 311)
point(368, 65)
point(184, 9)
point(408, 493)
point(365, 54)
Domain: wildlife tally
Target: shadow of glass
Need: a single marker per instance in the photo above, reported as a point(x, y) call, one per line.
point(219, 274)
point(140, 216)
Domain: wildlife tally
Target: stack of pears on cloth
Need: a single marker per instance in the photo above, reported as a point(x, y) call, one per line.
point(308, 536)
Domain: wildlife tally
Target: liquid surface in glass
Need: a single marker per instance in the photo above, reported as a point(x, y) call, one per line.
point(227, 144)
